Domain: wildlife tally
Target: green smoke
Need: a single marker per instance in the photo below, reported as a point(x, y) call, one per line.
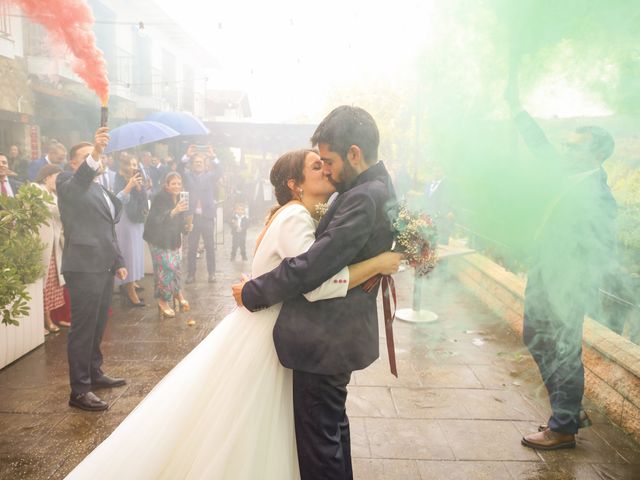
point(578, 60)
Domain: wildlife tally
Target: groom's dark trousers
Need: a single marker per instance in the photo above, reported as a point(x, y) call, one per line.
point(322, 424)
point(323, 342)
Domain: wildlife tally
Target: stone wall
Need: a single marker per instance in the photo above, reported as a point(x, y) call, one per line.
point(612, 363)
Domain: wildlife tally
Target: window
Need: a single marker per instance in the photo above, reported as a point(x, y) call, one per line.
point(5, 20)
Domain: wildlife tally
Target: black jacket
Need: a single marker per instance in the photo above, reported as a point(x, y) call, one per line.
point(337, 335)
point(15, 185)
point(160, 230)
point(90, 241)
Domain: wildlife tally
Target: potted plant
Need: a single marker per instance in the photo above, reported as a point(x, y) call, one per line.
point(20, 267)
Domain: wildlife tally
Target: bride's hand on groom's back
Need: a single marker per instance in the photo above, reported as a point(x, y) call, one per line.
point(236, 289)
point(389, 262)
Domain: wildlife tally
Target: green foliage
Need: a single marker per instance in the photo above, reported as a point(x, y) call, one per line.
point(20, 249)
point(500, 191)
point(624, 179)
point(455, 114)
point(394, 115)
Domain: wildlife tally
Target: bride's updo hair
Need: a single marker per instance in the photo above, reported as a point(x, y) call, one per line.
point(290, 166)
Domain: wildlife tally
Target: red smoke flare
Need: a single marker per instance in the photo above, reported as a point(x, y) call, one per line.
point(70, 22)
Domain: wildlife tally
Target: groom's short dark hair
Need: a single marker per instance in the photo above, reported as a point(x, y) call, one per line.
point(346, 126)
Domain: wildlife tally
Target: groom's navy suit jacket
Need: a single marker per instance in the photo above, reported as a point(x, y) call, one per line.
point(338, 335)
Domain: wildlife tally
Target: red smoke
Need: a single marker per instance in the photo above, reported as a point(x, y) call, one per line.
point(69, 22)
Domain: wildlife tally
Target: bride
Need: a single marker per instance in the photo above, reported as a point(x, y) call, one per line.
point(226, 410)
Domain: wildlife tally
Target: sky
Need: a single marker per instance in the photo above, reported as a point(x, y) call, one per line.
point(291, 55)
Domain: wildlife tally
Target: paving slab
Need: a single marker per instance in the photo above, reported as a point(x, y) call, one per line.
point(463, 470)
point(467, 392)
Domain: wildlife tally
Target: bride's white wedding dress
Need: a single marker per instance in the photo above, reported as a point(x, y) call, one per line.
point(226, 410)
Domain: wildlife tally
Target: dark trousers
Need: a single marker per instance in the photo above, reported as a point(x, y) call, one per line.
point(90, 295)
point(202, 227)
point(322, 426)
point(239, 242)
point(555, 342)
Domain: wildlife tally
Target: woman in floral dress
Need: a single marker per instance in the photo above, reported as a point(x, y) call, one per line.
point(163, 231)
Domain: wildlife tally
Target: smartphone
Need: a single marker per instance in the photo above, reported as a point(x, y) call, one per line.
point(202, 148)
point(184, 196)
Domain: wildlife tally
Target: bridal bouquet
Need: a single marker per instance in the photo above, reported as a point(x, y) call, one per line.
point(320, 210)
point(416, 237)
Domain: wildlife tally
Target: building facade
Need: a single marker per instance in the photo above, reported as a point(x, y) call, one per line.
point(153, 65)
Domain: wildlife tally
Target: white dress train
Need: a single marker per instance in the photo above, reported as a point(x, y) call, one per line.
point(226, 410)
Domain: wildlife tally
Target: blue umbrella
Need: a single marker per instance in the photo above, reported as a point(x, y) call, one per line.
point(183, 122)
point(138, 133)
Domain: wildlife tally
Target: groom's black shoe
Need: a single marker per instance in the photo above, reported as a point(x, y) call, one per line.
point(107, 382)
point(87, 401)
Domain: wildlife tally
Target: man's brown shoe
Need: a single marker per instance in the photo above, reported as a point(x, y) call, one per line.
point(549, 440)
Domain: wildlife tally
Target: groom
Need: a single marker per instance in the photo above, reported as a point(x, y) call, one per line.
point(324, 342)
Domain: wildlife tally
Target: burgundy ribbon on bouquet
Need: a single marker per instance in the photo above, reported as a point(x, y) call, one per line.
point(388, 292)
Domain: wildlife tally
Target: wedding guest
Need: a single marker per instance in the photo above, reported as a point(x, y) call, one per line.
point(239, 226)
point(90, 259)
point(163, 230)
point(62, 316)
point(145, 165)
point(56, 154)
point(8, 185)
point(574, 247)
point(157, 171)
point(18, 163)
point(108, 176)
point(51, 236)
point(129, 190)
point(202, 188)
point(172, 166)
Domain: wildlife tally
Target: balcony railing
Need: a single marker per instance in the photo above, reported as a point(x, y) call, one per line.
point(618, 311)
point(124, 68)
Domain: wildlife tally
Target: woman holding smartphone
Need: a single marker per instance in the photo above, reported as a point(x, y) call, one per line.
point(128, 187)
point(166, 223)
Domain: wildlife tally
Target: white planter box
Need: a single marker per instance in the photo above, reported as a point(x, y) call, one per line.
point(15, 341)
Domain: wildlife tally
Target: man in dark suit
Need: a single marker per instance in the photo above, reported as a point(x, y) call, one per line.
point(8, 184)
point(574, 247)
point(56, 155)
point(202, 188)
point(90, 259)
point(157, 172)
point(324, 342)
point(18, 164)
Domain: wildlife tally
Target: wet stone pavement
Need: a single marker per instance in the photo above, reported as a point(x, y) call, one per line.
point(467, 391)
